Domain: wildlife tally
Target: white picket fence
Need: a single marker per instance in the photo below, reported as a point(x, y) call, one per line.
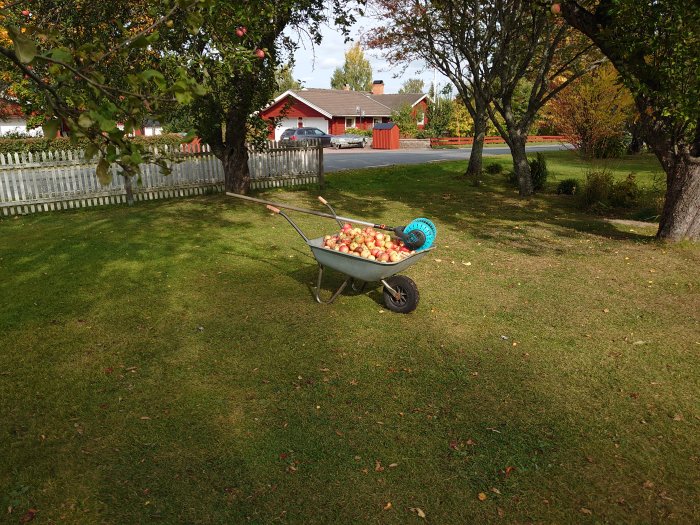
point(44, 181)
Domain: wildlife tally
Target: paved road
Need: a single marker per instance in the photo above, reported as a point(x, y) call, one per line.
point(354, 158)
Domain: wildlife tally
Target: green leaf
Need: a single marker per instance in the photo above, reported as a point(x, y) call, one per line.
point(194, 21)
point(50, 128)
point(103, 173)
point(62, 54)
point(25, 47)
point(107, 125)
point(84, 121)
point(90, 151)
point(140, 42)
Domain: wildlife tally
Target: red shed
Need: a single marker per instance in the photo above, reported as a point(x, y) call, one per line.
point(385, 136)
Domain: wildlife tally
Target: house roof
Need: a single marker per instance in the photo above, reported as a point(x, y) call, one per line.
point(341, 103)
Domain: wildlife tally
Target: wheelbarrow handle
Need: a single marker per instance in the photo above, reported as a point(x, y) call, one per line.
point(272, 208)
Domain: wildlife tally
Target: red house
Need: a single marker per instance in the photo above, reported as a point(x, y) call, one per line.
point(335, 110)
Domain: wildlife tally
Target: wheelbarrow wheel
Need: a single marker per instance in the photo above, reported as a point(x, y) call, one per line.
point(408, 294)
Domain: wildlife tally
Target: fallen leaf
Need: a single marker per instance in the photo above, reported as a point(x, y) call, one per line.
point(339, 433)
point(388, 505)
point(470, 442)
point(418, 511)
point(584, 510)
point(453, 444)
point(28, 516)
point(283, 455)
point(501, 512)
point(378, 467)
point(648, 484)
point(606, 310)
point(482, 496)
point(495, 490)
point(144, 418)
point(438, 260)
point(393, 465)
point(678, 417)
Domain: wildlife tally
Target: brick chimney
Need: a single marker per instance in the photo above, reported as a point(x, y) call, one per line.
point(346, 87)
point(378, 87)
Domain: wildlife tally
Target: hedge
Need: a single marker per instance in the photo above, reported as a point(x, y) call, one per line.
point(39, 144)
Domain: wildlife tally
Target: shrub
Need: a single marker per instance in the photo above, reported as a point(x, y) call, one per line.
point(625, 194)
point(40, 144)
point(538, 171)
point(597, 189)
point(494, 169)
point(360, 132)
point(567, 187)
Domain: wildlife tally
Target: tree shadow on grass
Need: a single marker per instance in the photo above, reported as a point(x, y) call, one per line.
point(488, 212)
point(280, 408)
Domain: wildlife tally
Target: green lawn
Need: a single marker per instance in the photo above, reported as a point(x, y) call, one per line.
point(168, 364)
point(568, 165)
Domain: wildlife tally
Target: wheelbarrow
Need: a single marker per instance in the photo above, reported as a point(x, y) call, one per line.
point(400, 292)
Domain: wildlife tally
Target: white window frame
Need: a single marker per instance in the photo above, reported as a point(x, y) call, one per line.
point(421, 122)
point(376, 120)
point(350, 119)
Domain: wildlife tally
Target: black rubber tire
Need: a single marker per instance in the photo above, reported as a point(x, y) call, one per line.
point(409, 294)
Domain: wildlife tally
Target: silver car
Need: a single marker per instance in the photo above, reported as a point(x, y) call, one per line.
point(348, 141)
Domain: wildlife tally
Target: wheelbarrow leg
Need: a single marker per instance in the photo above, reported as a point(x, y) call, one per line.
point(317, 290)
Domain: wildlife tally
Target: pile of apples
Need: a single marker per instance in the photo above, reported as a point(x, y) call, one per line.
point(368, 244)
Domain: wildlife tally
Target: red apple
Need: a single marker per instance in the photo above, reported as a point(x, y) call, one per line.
point(260, 53)
point(25, 12)
point(556, 9)
point(343, 248)
point(384, 257)
point(240, 32)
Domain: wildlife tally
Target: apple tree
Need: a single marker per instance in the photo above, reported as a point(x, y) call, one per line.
point(87, 67)
point(235, 53)
point(654, 46)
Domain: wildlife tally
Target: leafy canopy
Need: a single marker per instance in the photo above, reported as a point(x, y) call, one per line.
point(356, 71)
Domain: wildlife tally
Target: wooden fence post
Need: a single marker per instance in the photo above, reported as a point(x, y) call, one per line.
point(321, 175)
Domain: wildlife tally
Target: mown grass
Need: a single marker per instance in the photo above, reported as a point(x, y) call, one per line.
point(569, 165)
point(168, 363)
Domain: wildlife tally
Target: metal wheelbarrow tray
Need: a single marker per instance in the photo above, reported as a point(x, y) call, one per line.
point(400, 292)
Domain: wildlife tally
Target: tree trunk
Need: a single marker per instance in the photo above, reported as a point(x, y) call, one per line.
point(236, 172)
point(680, 219)
point(476, 156)
point(129, 190)
point(520, 163)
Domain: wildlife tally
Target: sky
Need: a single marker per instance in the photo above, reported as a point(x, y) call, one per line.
point(314, 66)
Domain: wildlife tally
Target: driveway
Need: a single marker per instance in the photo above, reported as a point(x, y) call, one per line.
point(355, 158)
